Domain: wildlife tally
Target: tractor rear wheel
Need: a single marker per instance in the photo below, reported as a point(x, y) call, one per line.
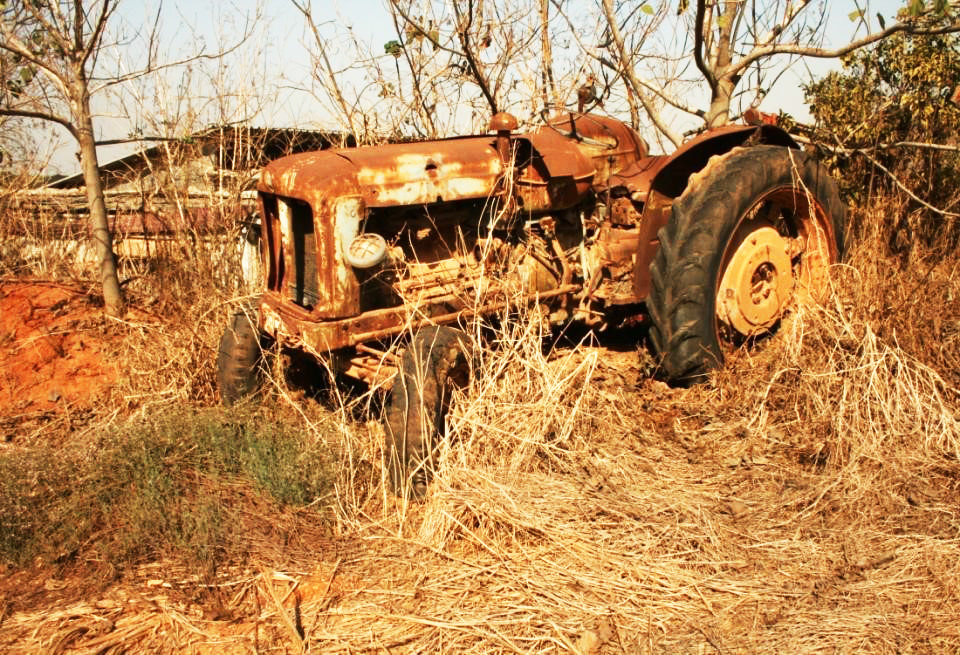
point(755, 232)
point(437, 361)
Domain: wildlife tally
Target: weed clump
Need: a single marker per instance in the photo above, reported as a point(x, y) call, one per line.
point(184, 484)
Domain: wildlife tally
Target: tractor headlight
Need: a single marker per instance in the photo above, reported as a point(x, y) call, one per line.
point(366, 250)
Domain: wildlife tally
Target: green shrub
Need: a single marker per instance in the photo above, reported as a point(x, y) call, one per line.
point(176, 485)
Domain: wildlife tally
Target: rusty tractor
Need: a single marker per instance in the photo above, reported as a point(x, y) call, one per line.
point(373, 257)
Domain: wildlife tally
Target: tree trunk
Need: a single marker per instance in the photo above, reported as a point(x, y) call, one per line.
point(719, 113)
point(112, 294)
point(721, 58)
point(549, 89)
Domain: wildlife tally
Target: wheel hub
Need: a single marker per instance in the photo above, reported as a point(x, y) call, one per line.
point(757, 283)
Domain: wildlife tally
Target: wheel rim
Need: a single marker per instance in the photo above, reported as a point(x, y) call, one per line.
point(779, 254)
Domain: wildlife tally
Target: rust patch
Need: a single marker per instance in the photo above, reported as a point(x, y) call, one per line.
point(425, 173)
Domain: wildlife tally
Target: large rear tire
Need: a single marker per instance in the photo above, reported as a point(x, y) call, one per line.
point(437, 360)
point(240, 358)
point(755, 232)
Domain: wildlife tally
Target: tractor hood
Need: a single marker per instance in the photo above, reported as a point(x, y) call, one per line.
point(389, 175)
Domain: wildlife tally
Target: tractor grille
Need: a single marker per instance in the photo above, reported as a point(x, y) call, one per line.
point(302, 280)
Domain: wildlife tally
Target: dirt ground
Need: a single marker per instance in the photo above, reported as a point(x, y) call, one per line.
point(52, 353)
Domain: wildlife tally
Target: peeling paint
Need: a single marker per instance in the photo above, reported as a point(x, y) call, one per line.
point(564, 217)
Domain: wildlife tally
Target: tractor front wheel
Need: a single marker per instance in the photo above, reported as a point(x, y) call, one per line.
point(437, 360)
point(240, 358)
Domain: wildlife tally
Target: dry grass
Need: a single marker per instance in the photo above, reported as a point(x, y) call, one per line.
point(806, 499)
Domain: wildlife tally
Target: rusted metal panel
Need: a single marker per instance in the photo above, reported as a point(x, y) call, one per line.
point(322, 186)
point(390, 175)
point(427, 172)
point(310, 176)
point(553, 172)
point(610, 144)
point(656, 213)
point(692, 156)
point(299, 326)
point(561, 157)
point(616, 254)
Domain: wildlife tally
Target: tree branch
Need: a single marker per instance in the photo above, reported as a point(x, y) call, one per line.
point(13, 45)
point(426, 33)
point(416, 71)
point(464, 34)
point(912, 144)
point(120, 79)
point(334, 87)
point(920, 145)
point(863, 152)
point(698, 27)
point(53, 118)
point(781, 27)
point(97, 33)
point(55, 30)
point(627, 70)
point(832, 53)
point(79, 18)
point(546, 57)
point(902, 186)
point(673, 102)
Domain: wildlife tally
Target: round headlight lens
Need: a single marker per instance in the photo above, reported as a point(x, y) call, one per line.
point(366, 250)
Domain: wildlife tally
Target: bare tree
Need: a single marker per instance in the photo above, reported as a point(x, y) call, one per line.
point(671, 65)
point(326, 75)
point(736, 40)
point(49, 51)
point(447, 67)
point(546, 55)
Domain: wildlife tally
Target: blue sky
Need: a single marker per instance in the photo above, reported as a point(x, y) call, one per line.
point(269, 78)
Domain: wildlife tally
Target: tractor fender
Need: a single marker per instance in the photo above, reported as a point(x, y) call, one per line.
point(673, 176)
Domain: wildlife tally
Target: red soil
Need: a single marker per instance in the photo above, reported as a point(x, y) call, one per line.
point(51, 349)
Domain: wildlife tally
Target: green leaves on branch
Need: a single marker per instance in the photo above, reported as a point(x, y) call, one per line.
point(393, 48)
point(938, 8)
point(895, 91)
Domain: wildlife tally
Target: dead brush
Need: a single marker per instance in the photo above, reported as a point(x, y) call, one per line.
point(787, 505)
point(179, 296)
point(523, 401)
point(36, 241)
point(804, 500)
point(523, 414)
point(866, 368)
